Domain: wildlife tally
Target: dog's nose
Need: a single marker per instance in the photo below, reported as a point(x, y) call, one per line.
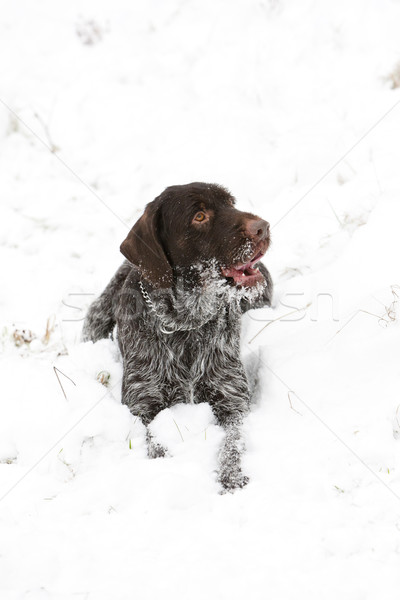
point(257, 228)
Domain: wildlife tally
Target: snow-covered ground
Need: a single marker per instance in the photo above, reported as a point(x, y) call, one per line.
point(288, 104)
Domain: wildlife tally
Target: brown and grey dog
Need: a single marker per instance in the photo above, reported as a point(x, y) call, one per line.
point(192, 269)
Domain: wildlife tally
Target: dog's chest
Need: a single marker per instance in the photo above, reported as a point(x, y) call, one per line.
point(200, 350)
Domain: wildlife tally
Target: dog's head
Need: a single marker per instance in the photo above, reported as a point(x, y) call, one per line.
point(196, 224)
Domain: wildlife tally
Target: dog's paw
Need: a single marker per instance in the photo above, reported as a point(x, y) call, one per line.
point(155, 450)
point(232, 481)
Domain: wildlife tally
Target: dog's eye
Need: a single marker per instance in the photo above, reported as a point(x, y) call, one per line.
point(200, 216)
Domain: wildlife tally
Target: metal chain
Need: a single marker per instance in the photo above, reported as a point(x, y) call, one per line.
point(147, 298)
point(153, 309)
point(167, 329)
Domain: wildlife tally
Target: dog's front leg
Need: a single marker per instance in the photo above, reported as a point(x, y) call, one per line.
point(230, 402)
point(230, 473)
point(142, 393)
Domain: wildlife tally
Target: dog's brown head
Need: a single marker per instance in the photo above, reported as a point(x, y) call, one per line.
point(195, 224)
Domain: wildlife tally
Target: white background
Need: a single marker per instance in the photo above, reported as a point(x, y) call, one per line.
point(285, 103)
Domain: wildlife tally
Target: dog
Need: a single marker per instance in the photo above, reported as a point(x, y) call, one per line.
point(192, 269)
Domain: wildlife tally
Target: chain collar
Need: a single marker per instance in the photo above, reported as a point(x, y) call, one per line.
point(164, 329)
point(167, 329)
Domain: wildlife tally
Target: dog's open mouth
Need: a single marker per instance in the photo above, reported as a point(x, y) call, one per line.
point(246, 274)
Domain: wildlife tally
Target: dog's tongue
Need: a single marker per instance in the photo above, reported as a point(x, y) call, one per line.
point(250, 264)
point(247, 274)
point(244, 274)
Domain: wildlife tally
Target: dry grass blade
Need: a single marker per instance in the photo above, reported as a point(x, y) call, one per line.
point(51, 321)
point(381, 320)
point(56, 371)
point(180, 433)
point(335, 213)
point(391, 310)
point(280, 319)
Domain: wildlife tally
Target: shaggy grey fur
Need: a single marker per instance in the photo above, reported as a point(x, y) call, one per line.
point(199, 362)
point(177, 303)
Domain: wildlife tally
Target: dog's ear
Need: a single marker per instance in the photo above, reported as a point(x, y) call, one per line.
point(143, 248)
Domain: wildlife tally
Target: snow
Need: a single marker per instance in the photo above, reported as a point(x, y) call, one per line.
point(288, 104)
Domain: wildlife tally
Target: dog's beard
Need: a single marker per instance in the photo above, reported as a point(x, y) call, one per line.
point(212, 282)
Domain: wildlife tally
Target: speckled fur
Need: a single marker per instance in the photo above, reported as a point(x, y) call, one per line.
point(200, 362)
point(179, 335)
